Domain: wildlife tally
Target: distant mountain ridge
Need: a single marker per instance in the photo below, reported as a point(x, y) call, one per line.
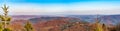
point(107, 19)
point(52, 18)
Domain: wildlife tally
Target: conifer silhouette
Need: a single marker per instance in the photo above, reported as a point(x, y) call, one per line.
point(5, 19)
point(28, 26)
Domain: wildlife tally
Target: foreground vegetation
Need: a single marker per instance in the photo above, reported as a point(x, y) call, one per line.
point(5, 21)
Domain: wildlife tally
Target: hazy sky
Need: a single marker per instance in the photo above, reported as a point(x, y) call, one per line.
point(62, 7)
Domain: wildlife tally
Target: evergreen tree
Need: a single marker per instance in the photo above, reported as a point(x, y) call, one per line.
point(28, 26)
point(5, 19)
point(99, 26)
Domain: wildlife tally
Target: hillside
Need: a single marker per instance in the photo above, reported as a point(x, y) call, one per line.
point(64, 23)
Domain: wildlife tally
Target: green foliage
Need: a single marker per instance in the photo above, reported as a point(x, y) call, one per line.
point(7, 29)
point(5, 19)
point(99, 27)
point(5, 9)
point(1, 28)
point(28, 26)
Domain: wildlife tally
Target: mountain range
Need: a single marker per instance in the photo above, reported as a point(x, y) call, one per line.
point(107, 19)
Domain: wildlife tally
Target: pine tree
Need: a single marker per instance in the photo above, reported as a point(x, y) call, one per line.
point(5, 19)
point(99, 26)
point(28, 26)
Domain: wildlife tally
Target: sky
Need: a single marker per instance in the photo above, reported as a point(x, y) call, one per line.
point(62, 7)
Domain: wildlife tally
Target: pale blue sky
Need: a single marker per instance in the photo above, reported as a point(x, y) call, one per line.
point(61, 7)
